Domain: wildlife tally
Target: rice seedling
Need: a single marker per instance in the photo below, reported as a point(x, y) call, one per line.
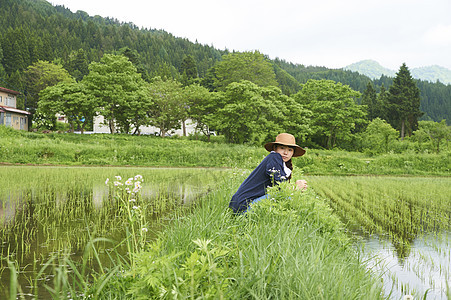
point(55, 212)
point(412, 214)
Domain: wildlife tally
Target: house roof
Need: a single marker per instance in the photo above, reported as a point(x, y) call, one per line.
point(14, 110)
point(2, 89)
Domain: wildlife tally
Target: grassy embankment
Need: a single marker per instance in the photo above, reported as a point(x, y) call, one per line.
point(18, 147)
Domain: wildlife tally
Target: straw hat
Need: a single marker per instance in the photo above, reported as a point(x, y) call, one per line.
point(287, 140)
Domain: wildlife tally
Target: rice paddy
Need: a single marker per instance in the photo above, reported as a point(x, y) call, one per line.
point(51, 212)
point(49, 216)
point(404, 224)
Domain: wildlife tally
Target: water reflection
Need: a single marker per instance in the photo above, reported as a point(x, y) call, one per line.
point(181, 193)
point(425, 270)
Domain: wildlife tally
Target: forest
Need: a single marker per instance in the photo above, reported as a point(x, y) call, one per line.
point(237, 94)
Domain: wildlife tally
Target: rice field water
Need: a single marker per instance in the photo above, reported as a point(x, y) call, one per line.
point(404, 226)
point(51, 212)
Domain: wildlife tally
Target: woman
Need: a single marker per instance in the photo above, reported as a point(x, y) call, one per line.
point(274, 168)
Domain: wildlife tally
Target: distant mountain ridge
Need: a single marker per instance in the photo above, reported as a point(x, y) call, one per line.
point(374, 70)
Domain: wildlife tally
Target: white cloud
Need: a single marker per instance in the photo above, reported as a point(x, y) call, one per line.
point(439, 35)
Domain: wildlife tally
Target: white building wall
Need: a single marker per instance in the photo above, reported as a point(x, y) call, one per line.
point(99, 127)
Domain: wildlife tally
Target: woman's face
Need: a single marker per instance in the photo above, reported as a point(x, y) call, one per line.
point(285, 151)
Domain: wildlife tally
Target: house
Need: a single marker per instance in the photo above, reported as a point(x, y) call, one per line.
point(100, 127)
point(9, 114)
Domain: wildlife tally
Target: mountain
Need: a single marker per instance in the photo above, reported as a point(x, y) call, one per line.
point(432, 74)
point(32, 30)
point(374, 70)
point(370, 68)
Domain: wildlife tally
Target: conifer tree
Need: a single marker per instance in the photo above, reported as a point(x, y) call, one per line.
point(404, 102)
point(369, 99)
point(188, 70)
point(380, 110)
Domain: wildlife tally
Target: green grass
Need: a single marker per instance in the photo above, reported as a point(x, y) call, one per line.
point(285, 249)
point(18, 147)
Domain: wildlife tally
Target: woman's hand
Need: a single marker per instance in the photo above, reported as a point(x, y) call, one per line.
point(301, 184)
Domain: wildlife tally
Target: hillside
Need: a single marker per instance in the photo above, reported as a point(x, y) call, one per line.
point(374, 70)
point(32, 30)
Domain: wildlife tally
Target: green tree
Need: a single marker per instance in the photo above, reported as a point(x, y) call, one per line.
point(40, 75)
point(78, 65)
point(334, 108)
point(251, 66)
point(245, 116)
point(134, 57)
point(378, 136)
point(404, 102)
point(168, 106)
point(295, 118)
point(189, 70)
point(119, 91)
point(201, 107)
point(369, 99)
point(69, 99)
point(381, 107)
point(435, 131)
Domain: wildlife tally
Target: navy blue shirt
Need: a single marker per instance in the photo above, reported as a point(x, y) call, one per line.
point(269, 171)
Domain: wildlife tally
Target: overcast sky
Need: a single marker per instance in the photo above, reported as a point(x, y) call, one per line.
point(331, 33)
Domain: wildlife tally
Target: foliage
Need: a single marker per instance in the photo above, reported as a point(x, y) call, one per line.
point(245, 114)
point(248, 113)
point(167, 107)
point(189, 70)
point(404, 103)
point(435, 132)
point(68, 99)
point(369, 99)
point(201, 107)
point(334, 110)
point(378, 136)
point(249, 66)
point(119, 91)
point(40, 75)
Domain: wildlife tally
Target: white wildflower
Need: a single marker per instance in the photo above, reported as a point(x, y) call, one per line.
point(107, 180)
point(129, 181)
point(117, 183)
point(138, 177)
point(144, 229)
point(135, 207)
point(118, 177)
point(132, 200)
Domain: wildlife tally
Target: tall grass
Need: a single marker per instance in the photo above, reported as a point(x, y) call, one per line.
point(289, 247)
